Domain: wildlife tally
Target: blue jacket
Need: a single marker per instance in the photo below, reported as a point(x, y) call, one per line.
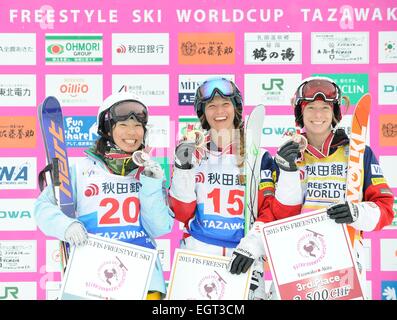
point(154, 218)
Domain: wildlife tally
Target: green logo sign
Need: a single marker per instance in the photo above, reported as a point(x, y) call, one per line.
point(353, 85)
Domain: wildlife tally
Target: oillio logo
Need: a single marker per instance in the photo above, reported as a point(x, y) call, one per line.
point(73, 89)
point(55, 49)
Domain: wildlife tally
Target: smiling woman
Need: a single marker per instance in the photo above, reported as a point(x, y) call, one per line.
point(212, 205)
point(114, 197)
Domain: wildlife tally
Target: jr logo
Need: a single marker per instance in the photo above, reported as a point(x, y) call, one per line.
point(9, 291)
point(274, 82)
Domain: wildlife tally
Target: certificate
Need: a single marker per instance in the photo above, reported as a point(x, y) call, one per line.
point(107, 269)
point(200, 276)
point(311, 258)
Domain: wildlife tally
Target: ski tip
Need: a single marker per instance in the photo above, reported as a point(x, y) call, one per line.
point(50, 99)
point(365, 99)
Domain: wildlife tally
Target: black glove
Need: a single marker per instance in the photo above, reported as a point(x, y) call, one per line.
point(184, 155)
point(343, 212)
point(240, 262)
point(287, 155)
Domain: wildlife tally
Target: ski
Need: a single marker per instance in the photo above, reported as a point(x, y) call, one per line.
point(51, 123)
point(356, 149)
point(252, 163)
point(355, 173)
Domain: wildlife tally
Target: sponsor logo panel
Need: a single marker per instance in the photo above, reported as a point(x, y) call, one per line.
point(388, 254)
point(17, 215)
point(273, 48)
point(18, 90)
point(389, 290)
point(388, 130)
point(206, 48)
point(387, 88)
point(270, 89)
point(387, 47)
point(80, 131)
point(18, 132)
point(18, 256)
point(339, 47)
point(18, 290)
point(83, 90)
point(153, 89)
point(18, 173)
point(158, 132)
point(73, 49)
point(388, 165)
point(140, 49)
point(18, 49)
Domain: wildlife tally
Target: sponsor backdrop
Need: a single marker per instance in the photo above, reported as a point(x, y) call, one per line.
point(81, 51)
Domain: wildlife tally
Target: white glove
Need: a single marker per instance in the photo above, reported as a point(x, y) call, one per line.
point(76, 234)
point(153, 169)
point(249, 249)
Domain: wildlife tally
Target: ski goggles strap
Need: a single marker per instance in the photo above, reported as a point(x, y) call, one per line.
point(127, 109)
point(311, 89)
point(223, 86)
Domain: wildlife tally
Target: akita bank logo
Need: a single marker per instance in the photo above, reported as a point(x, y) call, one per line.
point(91, 190)
point(200, 177)
point(212, 286)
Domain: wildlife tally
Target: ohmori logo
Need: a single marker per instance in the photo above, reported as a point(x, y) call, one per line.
point(55, 49)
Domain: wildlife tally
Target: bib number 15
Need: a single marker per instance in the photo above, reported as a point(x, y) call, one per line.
point(235, 204)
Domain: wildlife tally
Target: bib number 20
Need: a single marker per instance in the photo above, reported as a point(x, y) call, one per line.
point(129, 210)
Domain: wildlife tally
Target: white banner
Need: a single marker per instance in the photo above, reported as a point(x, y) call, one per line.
point(311, 258)
point(200, 276)
point(107, 269)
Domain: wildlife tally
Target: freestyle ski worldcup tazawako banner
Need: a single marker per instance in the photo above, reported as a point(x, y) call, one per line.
point(81, 51)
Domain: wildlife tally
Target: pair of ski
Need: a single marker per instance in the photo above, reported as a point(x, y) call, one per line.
point(253, 133)
point(51, 123)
